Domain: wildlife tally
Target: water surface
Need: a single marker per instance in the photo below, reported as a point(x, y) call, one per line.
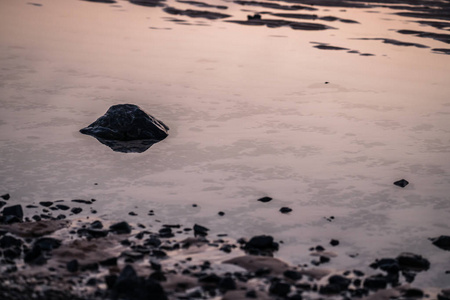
point(255, 109)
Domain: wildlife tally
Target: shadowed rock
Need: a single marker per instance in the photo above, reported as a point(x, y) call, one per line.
point(126, 128)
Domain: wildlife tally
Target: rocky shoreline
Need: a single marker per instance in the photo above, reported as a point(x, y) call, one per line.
point(67, 257)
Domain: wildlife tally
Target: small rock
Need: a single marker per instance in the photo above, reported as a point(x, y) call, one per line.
point(227, 283)
point(5, 196)
point(334, 242)
point(62, 206)
point(109, 262)
point(96, 225)
point(15, 210)
point(82, 201)
point(280, 288)
point(47, 244)
point(200, 230)
point(265, 199)
point(401, 183)
point(72, 266)
point(442, 242)
point(2, 203)
point(414, 262)
point(76, 210)
point(8, 241)
point(340, 281)
point(285, 210)
point(261, 243)
point(132, 213)
point(221, 213)
point(413, 293)
point(120, 228)
point(375, 282)
point(294, 275)
point(46, 203)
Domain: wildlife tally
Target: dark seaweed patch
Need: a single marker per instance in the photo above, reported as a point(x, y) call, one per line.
point(313, 17)
point(441, 50)
point(150, 3)
point(324, 46)
point(102, 1)
point(437, 36)
point(436, 24)
point(273, 5)
point(195, 13)
point(202, 4)
point(273, 23)
point(394, 42)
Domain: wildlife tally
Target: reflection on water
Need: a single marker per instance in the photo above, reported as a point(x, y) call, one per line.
point(254, 111)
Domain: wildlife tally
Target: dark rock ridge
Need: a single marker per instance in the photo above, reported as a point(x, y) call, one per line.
point(127, 128)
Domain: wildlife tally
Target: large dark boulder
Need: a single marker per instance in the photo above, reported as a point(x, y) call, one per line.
point(127, 128)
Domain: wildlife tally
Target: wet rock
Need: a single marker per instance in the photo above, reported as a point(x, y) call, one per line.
point(82, 201)
point(414, 262)
point(285, 210)
point(293, 275)
point(444, 295)
point(76, 210)
point(166, 232)
point(261, 244)
point(5, 196)
point(153, 241)
point(13, 211)
point(265, 199)
point(120, 228)
point(35, 257)
point(72, 266)
point(46, 203)
point(62, 207)
point(412, 293)
point(200, 230)
point(375, 282)
point(92, 233)
point(124, 123)
point(401, 183)
point(96, 225)
point(340, 281)
point(47, 244)
point(109, 262)
point(227, 283)
point(280, 288)
point(442, 242)
point(390, 265)
point(8, 241)
point(334, 242)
